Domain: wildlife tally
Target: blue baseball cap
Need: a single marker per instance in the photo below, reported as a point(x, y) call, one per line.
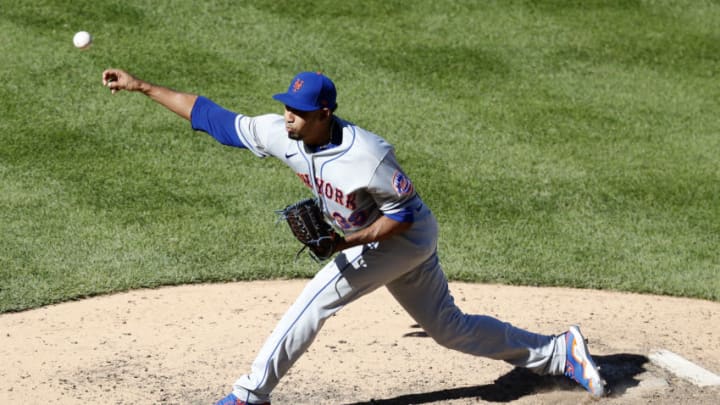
point(309, 91)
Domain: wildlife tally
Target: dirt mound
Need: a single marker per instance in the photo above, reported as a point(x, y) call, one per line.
point(187, 345)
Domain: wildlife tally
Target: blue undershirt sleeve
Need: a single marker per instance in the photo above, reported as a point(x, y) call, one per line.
point(406, 215)
point(209, 117)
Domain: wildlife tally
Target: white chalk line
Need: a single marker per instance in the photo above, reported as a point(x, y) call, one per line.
point(684, 368)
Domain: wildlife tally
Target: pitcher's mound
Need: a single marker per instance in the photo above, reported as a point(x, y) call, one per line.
point(187, 345)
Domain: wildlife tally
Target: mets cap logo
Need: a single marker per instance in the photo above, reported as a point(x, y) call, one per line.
point(298, 85)
point(402, 184)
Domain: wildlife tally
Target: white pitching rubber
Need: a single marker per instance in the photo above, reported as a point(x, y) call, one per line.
point(684, 369)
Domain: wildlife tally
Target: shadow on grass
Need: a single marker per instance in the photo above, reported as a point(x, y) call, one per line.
point(619, 370)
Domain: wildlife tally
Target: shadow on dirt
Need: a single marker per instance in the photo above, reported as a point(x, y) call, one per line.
point(619, 370)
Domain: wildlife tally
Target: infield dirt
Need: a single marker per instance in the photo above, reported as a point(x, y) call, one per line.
point(187, 345)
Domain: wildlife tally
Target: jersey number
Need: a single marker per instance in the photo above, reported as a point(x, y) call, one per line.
point(355, 219)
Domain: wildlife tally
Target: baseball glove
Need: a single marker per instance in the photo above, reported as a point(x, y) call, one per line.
point(307, 223)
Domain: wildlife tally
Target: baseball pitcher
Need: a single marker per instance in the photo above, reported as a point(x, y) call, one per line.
point(380, 233)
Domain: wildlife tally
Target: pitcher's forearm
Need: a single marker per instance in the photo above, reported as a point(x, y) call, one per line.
point(381, 229)
point(178, 102)
point(175, 101)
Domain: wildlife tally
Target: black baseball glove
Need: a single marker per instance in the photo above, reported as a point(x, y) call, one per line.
point(308, 224)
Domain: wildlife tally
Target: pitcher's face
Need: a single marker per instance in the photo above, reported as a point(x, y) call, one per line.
point(311, 127)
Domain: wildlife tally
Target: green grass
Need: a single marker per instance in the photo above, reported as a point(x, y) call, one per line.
point(567, 143)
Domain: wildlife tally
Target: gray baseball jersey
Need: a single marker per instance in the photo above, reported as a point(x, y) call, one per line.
point(358, 179)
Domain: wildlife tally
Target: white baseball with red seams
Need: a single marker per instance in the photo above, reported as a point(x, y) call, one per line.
point(82, 40)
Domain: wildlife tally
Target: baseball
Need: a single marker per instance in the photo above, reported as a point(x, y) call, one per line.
point(82, 40)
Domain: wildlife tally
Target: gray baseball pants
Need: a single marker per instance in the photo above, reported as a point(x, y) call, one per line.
point(408, 266)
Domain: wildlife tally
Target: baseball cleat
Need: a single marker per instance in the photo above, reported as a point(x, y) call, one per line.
point(579, 365)
point(231, 399)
